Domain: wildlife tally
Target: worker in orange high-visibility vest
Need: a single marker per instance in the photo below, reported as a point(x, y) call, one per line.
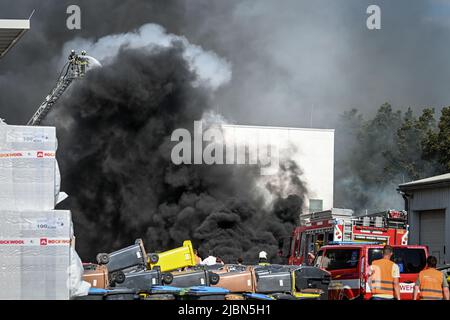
point(431, 284)
point(384, 277)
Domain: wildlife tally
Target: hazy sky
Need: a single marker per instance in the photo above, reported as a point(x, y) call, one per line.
point(289, 58)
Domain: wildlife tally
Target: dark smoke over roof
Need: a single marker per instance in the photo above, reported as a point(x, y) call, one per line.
point(114, 137)
point(295, 62)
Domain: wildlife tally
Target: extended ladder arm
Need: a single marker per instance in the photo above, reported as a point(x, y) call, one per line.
point(71, 70)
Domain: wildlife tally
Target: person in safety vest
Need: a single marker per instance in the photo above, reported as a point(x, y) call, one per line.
point(263, 259)
point(431, 284)
point(83, 61)
point(384, 277)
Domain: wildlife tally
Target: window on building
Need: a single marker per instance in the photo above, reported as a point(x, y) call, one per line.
point(315, 205)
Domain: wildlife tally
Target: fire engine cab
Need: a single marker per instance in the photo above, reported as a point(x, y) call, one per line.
point(349, 267)
point(341, 226)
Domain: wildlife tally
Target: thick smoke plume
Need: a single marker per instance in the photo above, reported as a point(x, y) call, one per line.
point(296, 63)
point(114, 137)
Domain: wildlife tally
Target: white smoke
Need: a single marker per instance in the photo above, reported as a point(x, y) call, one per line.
point(212, 118)
point(212, 71)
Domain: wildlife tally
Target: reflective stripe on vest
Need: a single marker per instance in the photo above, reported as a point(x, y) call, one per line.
point(382, 281)
point(431, 284)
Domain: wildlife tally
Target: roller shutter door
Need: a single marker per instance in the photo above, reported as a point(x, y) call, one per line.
point(432, 232)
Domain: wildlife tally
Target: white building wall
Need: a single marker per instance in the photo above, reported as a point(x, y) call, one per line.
point(311, 149)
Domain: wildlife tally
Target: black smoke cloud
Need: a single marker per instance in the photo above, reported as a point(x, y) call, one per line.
point(114, 151)
point(30, 69)
point(320, 56)
point(295, 63)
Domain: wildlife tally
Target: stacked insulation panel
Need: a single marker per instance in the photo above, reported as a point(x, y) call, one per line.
point(35, 239)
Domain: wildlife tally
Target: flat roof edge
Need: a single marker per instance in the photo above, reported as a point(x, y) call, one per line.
point(279, 128)
point(426, 185)
point(14, 24)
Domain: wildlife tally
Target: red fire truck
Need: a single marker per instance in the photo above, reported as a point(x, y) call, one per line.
point(345, 245)
point(341, 226)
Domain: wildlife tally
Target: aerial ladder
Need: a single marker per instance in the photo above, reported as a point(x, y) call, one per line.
point(75, 68)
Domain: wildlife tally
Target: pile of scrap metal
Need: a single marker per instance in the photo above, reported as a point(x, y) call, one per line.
point(132, 274)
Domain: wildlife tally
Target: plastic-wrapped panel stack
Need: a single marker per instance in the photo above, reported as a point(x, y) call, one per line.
point(35, 239)
point(35, 254)
point(28, 168)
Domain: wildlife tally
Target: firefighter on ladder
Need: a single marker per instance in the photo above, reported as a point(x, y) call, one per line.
point(83, 61)
point(72, 59)
point(431, 284)
point(384, 277)
point(72, 56)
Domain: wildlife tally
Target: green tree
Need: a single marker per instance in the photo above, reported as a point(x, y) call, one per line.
point(362, 167)
point(374, 156)
point(437, 143)
point(408, 158)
